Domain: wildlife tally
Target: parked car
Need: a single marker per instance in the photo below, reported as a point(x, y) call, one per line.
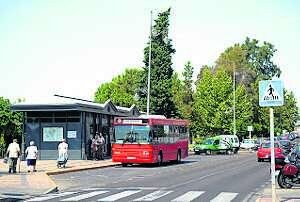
point(233, 140)
point(215, 144)
point(248, 144)
point(264, 152)
point(286, 145)
point(204, 147)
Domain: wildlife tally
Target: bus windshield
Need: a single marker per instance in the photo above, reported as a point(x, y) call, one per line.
point(132, 134)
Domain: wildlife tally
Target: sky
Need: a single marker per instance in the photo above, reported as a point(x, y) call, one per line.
point(72, 47)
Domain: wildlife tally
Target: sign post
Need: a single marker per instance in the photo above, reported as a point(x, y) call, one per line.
point(250, 129)
point(271, 94)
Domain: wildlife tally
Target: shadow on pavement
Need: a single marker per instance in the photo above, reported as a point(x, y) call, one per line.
point(154, 165)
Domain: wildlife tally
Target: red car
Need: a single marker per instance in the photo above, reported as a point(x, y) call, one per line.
point(264, 152)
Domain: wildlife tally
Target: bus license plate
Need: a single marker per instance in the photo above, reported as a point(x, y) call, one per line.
point(131, 157)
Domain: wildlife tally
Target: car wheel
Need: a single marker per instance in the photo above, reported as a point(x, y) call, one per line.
point(178, 160)
point(160, 159)
point(208, 152)
point(258, 160)
point(282, 181)
point(124, 164)
point(228, 151)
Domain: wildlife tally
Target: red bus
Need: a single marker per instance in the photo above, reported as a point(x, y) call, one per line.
point(149, 140)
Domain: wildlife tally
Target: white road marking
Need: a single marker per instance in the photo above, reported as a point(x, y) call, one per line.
point(224, 197)
point(153, 196)
point(189, 196)
point(123, 188)
point(85, 196)
point(119, 195)
point(51, 196)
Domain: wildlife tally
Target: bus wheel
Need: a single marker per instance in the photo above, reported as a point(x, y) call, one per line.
point(160, 159)
point(124, 164)
point(178, 160)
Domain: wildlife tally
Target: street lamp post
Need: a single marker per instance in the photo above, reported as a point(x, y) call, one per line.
point(233, 85)
point(149, 66)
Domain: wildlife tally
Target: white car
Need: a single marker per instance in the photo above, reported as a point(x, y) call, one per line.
point(233, 140)
point(248, 144)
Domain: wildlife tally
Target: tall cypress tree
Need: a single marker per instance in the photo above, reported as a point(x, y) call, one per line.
point(161, 101)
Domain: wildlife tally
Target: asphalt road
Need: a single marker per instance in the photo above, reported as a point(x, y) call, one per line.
point(198, 178)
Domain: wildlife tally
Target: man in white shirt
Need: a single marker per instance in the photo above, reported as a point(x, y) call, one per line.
point(13, 153)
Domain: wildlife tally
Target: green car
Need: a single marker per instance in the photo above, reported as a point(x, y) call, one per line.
point(214, 144)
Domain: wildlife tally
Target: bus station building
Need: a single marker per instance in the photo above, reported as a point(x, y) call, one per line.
point(76, 121)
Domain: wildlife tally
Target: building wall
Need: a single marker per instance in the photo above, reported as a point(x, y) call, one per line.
point(40, 126)
point(76, 127)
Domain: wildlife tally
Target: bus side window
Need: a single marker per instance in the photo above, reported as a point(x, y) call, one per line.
point(171, 134)
point(151, 134)
point(155, 133)
point(160, 133)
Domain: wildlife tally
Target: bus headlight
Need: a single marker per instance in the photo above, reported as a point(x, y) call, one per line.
point(117, 152)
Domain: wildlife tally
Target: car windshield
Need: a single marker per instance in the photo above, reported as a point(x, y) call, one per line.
point(131, 133)
point(208, 142)
point(236, 140)
point(284, 143)
point(268, 145)
point(249, 141)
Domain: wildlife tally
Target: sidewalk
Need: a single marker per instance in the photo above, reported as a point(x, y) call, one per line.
point(37, 183)
point(286, 195)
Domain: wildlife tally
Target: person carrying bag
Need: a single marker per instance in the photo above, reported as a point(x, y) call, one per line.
point(13, 153)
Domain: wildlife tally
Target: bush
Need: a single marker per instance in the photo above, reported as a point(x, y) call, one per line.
point(198, 139)
point(2, 146)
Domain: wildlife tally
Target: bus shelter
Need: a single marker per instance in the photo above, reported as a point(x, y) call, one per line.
point(77, 122)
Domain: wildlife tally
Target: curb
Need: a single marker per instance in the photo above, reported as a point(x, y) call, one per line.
point(55, 187)
point(52, 189)
point(57, 172)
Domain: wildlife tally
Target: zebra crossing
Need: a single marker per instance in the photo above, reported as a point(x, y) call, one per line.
point(134, 195)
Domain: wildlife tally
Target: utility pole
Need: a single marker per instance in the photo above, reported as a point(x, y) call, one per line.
point(149, 66)
point(233, 83)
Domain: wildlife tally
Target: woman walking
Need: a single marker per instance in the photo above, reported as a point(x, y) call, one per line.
point(31, 156)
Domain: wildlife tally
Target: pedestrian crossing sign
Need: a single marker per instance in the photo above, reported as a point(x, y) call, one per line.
point(271, 93)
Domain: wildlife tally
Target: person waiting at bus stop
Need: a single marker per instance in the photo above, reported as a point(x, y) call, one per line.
point(94, 148)
point(101, 146)
point(97, 146)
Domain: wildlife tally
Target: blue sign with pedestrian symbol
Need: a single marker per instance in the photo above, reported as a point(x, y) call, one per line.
point(271, 93)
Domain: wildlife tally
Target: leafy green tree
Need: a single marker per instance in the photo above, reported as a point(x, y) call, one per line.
point(244, 111)
point(222, 89)
point(233, 59)
point(286, 116)
point(10, 122)
point(200, 74)
point(252, 62)
point(260, 58)
point(188, 90)
point(204, 104)
point(212, 109)
point(161, 98)
point(2, 146)
point(212, 103)
point(178, 94)
point(121, 90)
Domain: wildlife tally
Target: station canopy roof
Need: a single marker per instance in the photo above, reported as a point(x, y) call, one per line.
point(78, 105)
